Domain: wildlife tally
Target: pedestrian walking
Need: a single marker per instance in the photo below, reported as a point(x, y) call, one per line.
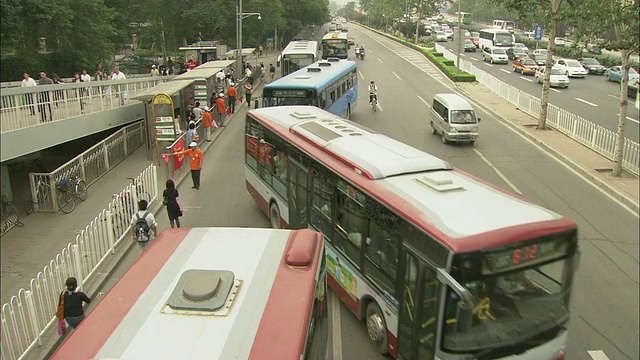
point(143, 225)
point(272, 72)
point(170, 200)
point(121, 89)
point(44, 99)
point(191, 132)
point(209, 124)
point(58, 95)
point(27, 81)
point(248, 90)
point(154, 71)
point(72, 300)
point(195, 162)
point(197, 111)
point(260, 48)
point(232, 94)
point(263, 72)
point(79, 93)
point(220, 109)
point(170, 66)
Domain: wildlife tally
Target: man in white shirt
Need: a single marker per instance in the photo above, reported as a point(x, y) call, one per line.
point(143, 214)
point(119, 75)
point(28, 98)
point(85, 77)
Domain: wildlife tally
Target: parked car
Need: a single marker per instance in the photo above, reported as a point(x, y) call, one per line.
point(525, 66)
point(469, 46)
point(521, 46)
point(571, 68)
point(540, 59)
point(557, 79)
point(559, 41)
point(614, 74)
point(441, 36)
point(495, 55)
point(592, 66)
point(514, 52)
point(594, 49)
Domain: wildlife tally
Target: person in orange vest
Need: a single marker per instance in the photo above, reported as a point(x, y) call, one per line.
point(220, 107)
point(209, 124)
point(195, 162)
point(232, 94)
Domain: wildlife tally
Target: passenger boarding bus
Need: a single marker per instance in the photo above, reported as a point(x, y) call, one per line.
point(335, 44)
point(297, 55)
point(439, 263)
point(213, 293)
point(328, 84)
point(496, 38)
point(508, 25)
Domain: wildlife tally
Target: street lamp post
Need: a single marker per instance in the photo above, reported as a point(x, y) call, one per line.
point(239, 16)
point(459, 37)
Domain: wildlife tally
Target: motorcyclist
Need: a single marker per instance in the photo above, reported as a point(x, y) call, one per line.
point(373, 91)
point(362, 52)
point(357, 50)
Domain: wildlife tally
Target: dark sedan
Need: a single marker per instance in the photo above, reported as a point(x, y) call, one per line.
point(592, 66)
point(469, 46)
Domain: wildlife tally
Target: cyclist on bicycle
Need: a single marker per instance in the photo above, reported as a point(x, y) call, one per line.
point(373, 91)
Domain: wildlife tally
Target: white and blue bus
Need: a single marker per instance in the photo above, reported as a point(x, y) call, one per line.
point(331, 85)
point(297, 55)
point(496, 38)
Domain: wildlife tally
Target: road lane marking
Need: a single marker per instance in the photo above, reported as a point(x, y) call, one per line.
point(513, 187)
point(597, 355)
point(424, 101)
point(488, 64)
point(507, 71)
point(524, 78)
point(337, 331)
point(394, 73)
point(556, 90)
point(380, 60)
point(614, 96)
point(359, 73)
point(630, 119)
point(379, 107)
point(586, 102)
point(474, 59)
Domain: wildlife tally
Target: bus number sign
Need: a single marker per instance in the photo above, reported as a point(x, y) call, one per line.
point(524, 255)
point(289, 93)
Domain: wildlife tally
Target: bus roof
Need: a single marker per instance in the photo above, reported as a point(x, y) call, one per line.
point(453, 206)
point(335, 35)
point(496, 31)
point(315, 76)
point(274, 278)
point(301, 47)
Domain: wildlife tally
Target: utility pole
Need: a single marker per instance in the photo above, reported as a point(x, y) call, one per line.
point(458, 37)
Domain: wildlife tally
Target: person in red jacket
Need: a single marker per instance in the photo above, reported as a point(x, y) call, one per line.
point(232, 94)
point(195, 162)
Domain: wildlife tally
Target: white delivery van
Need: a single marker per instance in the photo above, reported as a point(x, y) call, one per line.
point(453, 118)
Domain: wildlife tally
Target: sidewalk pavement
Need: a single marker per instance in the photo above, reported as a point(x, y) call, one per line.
point(593, 166)
point(26, 250)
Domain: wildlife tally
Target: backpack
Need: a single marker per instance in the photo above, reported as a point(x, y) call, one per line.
point(141, 228)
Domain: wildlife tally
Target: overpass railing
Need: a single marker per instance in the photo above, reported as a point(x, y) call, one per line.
point(89, 165)
point(589, 134)
point(30, 313)
point(32, 106)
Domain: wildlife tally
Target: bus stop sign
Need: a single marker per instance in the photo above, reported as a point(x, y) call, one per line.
point(538, 33)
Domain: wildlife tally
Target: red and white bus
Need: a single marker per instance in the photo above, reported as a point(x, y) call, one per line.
point(213, 293)
point(439, 263)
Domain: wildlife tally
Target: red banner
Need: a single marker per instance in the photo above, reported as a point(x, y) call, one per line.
point(177, 159)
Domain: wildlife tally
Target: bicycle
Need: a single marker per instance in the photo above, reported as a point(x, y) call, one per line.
point(8, 215)
point(374, 101)
point(68, 191)
point(42, 193)
point(140, 193)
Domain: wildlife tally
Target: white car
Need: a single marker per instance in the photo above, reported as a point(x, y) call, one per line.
point(559, 41)
point(571, 68)
point(557, 78)
point(539, 52)
point(449, 33)
point(441, 36)
point(495, 55)
point(521, 46)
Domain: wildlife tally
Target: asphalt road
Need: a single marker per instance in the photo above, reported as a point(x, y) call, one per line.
point(592, 97)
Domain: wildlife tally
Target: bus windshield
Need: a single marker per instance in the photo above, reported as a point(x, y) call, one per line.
point(503, 40)
point(335, 47)
point(284, 97)
point(294, 62)
point(513, 305)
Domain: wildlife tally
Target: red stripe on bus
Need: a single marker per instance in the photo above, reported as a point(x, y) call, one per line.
point(292, 293)
point(94, 331)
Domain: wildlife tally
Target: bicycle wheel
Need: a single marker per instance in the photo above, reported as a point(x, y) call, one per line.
point(81, 190)
point(28, 207)
point(66, 202)
point(11, 213)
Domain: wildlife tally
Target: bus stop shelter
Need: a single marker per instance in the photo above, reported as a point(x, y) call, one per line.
point(204, 79)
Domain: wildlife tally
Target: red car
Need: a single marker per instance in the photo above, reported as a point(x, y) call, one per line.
point(525, 66)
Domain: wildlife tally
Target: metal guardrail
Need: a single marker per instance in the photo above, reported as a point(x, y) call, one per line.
point(589, 134)
point(25, 107)
point(30, 313)
point(90, 165)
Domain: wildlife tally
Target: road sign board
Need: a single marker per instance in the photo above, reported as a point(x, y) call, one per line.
point(538, 33)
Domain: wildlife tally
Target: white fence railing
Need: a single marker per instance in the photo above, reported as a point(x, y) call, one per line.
point(27, 315)
point(591, 135)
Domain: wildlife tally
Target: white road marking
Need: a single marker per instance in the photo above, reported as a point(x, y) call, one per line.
point(614, 96)
point(513, 187)
point(474, 59)
point(379, 107)
point(359, 73)
point(424, 101)
point(394, 73)
point(507, 71)
point(380, 60)
point(632, 120)
point(586, 102)
point(336, 331)
point(556, 90)
point(597, 355)
point(524, 78)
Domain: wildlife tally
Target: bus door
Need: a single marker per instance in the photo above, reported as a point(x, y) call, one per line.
point(418, 319)
point(298, 188)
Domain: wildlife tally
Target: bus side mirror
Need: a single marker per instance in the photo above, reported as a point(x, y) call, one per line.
point(278, 61)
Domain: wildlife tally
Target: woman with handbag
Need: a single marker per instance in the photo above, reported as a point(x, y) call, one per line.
point(71, 300)
point(170, 200)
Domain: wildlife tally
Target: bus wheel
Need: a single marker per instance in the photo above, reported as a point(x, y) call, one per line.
point(377, 328)
point(274, 216)
point(348, 116)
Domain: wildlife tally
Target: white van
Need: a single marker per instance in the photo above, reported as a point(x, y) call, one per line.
point(453, 118)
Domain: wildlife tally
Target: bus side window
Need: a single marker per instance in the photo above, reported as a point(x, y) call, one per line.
point(322, 200)
point(322, 101)
point(350, 218)
point(382, 257)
